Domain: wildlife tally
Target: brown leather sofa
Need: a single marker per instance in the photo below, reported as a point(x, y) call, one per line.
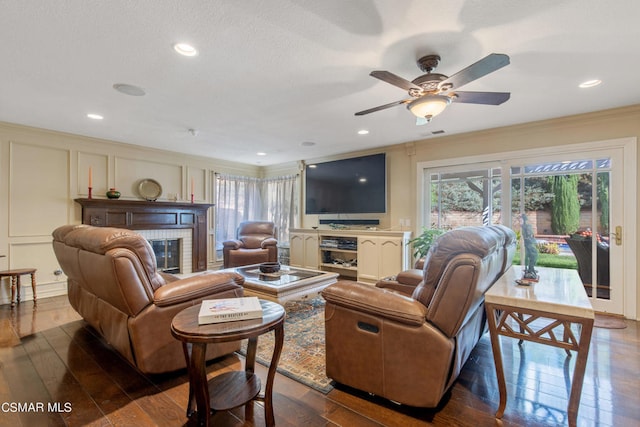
point(407, 340)
point(114, 285)
point(255, 243)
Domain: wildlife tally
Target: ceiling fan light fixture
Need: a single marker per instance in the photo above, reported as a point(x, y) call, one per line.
point(429, 106)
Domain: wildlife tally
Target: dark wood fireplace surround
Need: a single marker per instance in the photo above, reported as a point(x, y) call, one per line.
point(143, 215)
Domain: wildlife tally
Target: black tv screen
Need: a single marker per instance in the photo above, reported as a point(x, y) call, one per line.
point(356, 185)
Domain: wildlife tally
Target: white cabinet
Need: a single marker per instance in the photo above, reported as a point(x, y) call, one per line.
point(303, 249)
point(380, 256)
point(364, 255)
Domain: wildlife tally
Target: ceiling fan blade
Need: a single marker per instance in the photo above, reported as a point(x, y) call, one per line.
point(486, 65)
point(383, 107)
point(395, 80)
point(488, 98)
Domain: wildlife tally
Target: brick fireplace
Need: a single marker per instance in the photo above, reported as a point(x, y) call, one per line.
point(156, 220)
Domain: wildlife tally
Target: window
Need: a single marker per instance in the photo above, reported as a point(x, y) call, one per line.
point(462, 197)
point(241, 198)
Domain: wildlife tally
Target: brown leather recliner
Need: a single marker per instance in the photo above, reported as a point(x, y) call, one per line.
point(114, 285)
point(255, 243)
point(409, 347)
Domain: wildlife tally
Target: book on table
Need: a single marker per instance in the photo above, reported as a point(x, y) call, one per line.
point(229, 310)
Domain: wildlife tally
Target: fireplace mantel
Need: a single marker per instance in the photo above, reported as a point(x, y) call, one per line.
point(143, 215)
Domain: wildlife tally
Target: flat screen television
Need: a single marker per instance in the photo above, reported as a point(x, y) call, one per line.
point(349, 186)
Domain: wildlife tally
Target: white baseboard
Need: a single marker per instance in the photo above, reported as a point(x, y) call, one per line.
point(44, 290)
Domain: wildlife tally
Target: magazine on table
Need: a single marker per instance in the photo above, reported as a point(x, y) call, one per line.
point(229, 310)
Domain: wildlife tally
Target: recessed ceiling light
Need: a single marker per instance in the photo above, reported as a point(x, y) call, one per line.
point(261, 153)
point(95, 116)
point(129, 89)
point(313, 166)
point(362, 180)
point(590, 83)
point(363, 132)
point(185, 49)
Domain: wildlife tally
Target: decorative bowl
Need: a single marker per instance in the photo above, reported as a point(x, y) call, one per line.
point(270, 267)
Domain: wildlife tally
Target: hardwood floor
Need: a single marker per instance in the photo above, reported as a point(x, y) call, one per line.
point(50, 357)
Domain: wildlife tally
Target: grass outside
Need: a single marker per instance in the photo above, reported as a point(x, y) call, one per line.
point(549, 260)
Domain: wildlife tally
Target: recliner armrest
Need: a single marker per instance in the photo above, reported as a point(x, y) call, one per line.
point(411, 277)
point(376, 302)
point(395, 286)
point(405, 282)
point(269, 241)
point(233, 244)
point(194, 287)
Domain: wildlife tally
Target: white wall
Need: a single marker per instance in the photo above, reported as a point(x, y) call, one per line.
point(41, 172)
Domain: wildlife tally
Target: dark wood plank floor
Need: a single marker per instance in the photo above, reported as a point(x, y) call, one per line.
point(55, 371)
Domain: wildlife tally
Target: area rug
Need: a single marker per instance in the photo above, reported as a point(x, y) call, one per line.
point(303, 352)
point(609, 322)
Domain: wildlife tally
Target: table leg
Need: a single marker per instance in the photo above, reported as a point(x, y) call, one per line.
point(33, 286)
point(18, 289)
point(565, 337)
point(186, 349)
point(268, 393)
point(13, 290)
point(578, 371)
point(497, 357)
point(198, 380)
point(250, 360)
point(521, 317)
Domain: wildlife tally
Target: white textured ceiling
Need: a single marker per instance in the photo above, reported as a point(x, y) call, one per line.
point(272, 74)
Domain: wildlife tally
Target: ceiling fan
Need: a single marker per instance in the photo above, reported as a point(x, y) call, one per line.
point(431, 93)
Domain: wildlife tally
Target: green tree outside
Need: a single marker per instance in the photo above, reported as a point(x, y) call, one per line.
point(565, 208)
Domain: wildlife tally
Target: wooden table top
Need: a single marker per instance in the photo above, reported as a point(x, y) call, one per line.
point(17, 271)
point(185, 326)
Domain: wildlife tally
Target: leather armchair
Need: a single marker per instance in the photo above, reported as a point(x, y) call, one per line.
point(407, 341)
point(255, 243)
point(114, 285)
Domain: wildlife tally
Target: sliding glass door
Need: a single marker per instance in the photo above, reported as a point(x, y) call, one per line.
point(573, 201)
point(568, 204)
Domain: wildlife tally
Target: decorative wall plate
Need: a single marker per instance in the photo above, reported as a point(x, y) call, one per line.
point(149, 189)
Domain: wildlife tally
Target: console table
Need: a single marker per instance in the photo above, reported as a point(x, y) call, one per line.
point(543, 313)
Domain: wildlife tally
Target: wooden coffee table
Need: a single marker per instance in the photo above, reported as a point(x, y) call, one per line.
point(289, 283)
point(230, 389)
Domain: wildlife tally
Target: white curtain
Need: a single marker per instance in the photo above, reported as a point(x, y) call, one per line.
point(237, 199)
point(280, 203)
point(241, 198)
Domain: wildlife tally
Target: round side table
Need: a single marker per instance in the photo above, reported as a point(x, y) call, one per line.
point(230, 389)
point(15, 282)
